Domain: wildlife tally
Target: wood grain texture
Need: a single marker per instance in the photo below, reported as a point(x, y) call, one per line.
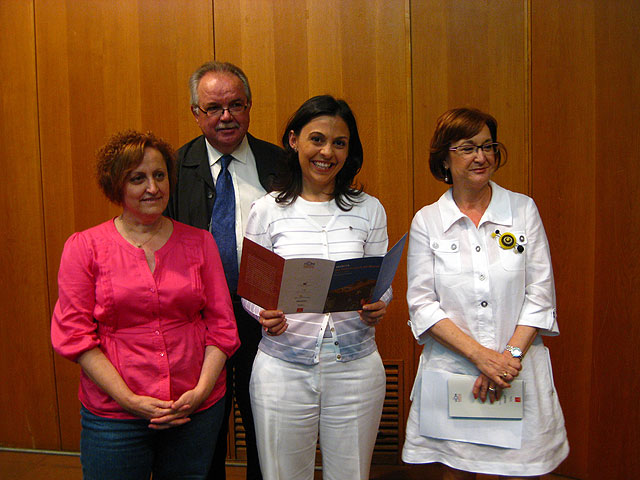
point(614, 417)
point(563, 186)
point(25, 355)
point(105, 67)
point(470, 54)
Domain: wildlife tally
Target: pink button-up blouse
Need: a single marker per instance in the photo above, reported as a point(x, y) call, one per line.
point(153, 327)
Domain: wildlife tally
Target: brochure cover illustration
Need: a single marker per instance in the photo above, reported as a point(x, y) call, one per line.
point(314, 285)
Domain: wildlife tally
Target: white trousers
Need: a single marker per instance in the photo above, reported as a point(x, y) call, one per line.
point(339, 401)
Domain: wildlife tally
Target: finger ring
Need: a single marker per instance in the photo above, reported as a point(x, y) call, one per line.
point(504, 375)
point(492, 389)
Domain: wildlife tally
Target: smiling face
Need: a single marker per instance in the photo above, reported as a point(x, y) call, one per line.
point(323, 147)
point(474, 171)
point(222, 89)
point(146, 189)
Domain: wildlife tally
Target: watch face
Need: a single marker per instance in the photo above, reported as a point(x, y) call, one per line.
point(515, 352)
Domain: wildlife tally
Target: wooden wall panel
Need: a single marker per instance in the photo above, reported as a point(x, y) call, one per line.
point(27, 376)
point(102, 67)
point(615, 418)
point(472, 54)
point(354, 49)
point(563, 186)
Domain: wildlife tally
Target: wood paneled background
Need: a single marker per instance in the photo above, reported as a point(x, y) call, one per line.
point(562, 78)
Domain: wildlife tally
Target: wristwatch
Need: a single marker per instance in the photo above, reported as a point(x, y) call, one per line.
point(515, 352)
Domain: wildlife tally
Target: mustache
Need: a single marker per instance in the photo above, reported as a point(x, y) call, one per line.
point(224, 125)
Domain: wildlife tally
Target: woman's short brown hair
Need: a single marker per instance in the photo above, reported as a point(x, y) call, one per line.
point(122, 153)
point(454, 125)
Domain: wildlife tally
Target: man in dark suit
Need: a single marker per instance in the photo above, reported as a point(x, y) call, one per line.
point(221, 103)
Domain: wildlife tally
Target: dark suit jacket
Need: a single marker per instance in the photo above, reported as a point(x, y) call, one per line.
point(192, 198)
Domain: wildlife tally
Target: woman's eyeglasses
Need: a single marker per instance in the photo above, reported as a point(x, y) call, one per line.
point(470, 150)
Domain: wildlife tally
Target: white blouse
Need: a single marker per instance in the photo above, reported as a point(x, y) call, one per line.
point(319, 230)
point(461, 272)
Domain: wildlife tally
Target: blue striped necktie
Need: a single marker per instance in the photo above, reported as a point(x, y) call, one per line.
point(223, 223)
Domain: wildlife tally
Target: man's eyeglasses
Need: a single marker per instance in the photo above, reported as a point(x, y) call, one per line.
point(470, 150)
point(217, 111)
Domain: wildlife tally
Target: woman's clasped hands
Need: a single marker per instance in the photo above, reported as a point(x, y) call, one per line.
point(498, 371)
point(165, 414)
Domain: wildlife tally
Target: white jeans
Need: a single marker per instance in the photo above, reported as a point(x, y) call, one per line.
point(292, 403)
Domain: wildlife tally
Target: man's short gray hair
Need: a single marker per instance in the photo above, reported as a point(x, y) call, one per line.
point(220, 67)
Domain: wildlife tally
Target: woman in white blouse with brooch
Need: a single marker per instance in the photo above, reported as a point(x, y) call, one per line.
point(481, 294)
point(318, 374)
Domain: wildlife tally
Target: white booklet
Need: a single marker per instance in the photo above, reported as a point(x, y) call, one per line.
point(436, 422)
point(463, 404)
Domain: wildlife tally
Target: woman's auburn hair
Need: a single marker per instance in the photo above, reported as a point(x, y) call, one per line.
point(454, 125)
point(122, 153)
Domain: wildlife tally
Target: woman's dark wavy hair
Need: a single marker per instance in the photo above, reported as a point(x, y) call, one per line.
point(289, 181)
point(454, 125)
point(122, 154)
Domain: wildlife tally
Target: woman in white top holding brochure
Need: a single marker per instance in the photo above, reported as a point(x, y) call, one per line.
point(318, 373)
point(481, 294)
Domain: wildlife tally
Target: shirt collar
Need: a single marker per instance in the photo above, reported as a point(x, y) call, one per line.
point(240, 154)
point(498, 211)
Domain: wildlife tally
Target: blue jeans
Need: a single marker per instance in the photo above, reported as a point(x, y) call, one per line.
point(114, 449)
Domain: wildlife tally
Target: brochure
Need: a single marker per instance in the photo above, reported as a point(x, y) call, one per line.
point(314, 285)
point(435, 421)
point(463, 404)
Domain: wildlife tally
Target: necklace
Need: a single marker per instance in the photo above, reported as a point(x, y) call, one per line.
point(136, 243)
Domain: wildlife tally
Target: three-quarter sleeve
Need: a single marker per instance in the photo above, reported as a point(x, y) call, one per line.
point(217, 313)
point(424, 304)
point(73, 328)
point(539, 306)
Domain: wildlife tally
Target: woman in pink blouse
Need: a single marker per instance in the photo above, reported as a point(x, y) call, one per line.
point(144, 309)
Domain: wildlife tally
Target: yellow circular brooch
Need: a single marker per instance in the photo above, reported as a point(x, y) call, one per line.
point(507, 241)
